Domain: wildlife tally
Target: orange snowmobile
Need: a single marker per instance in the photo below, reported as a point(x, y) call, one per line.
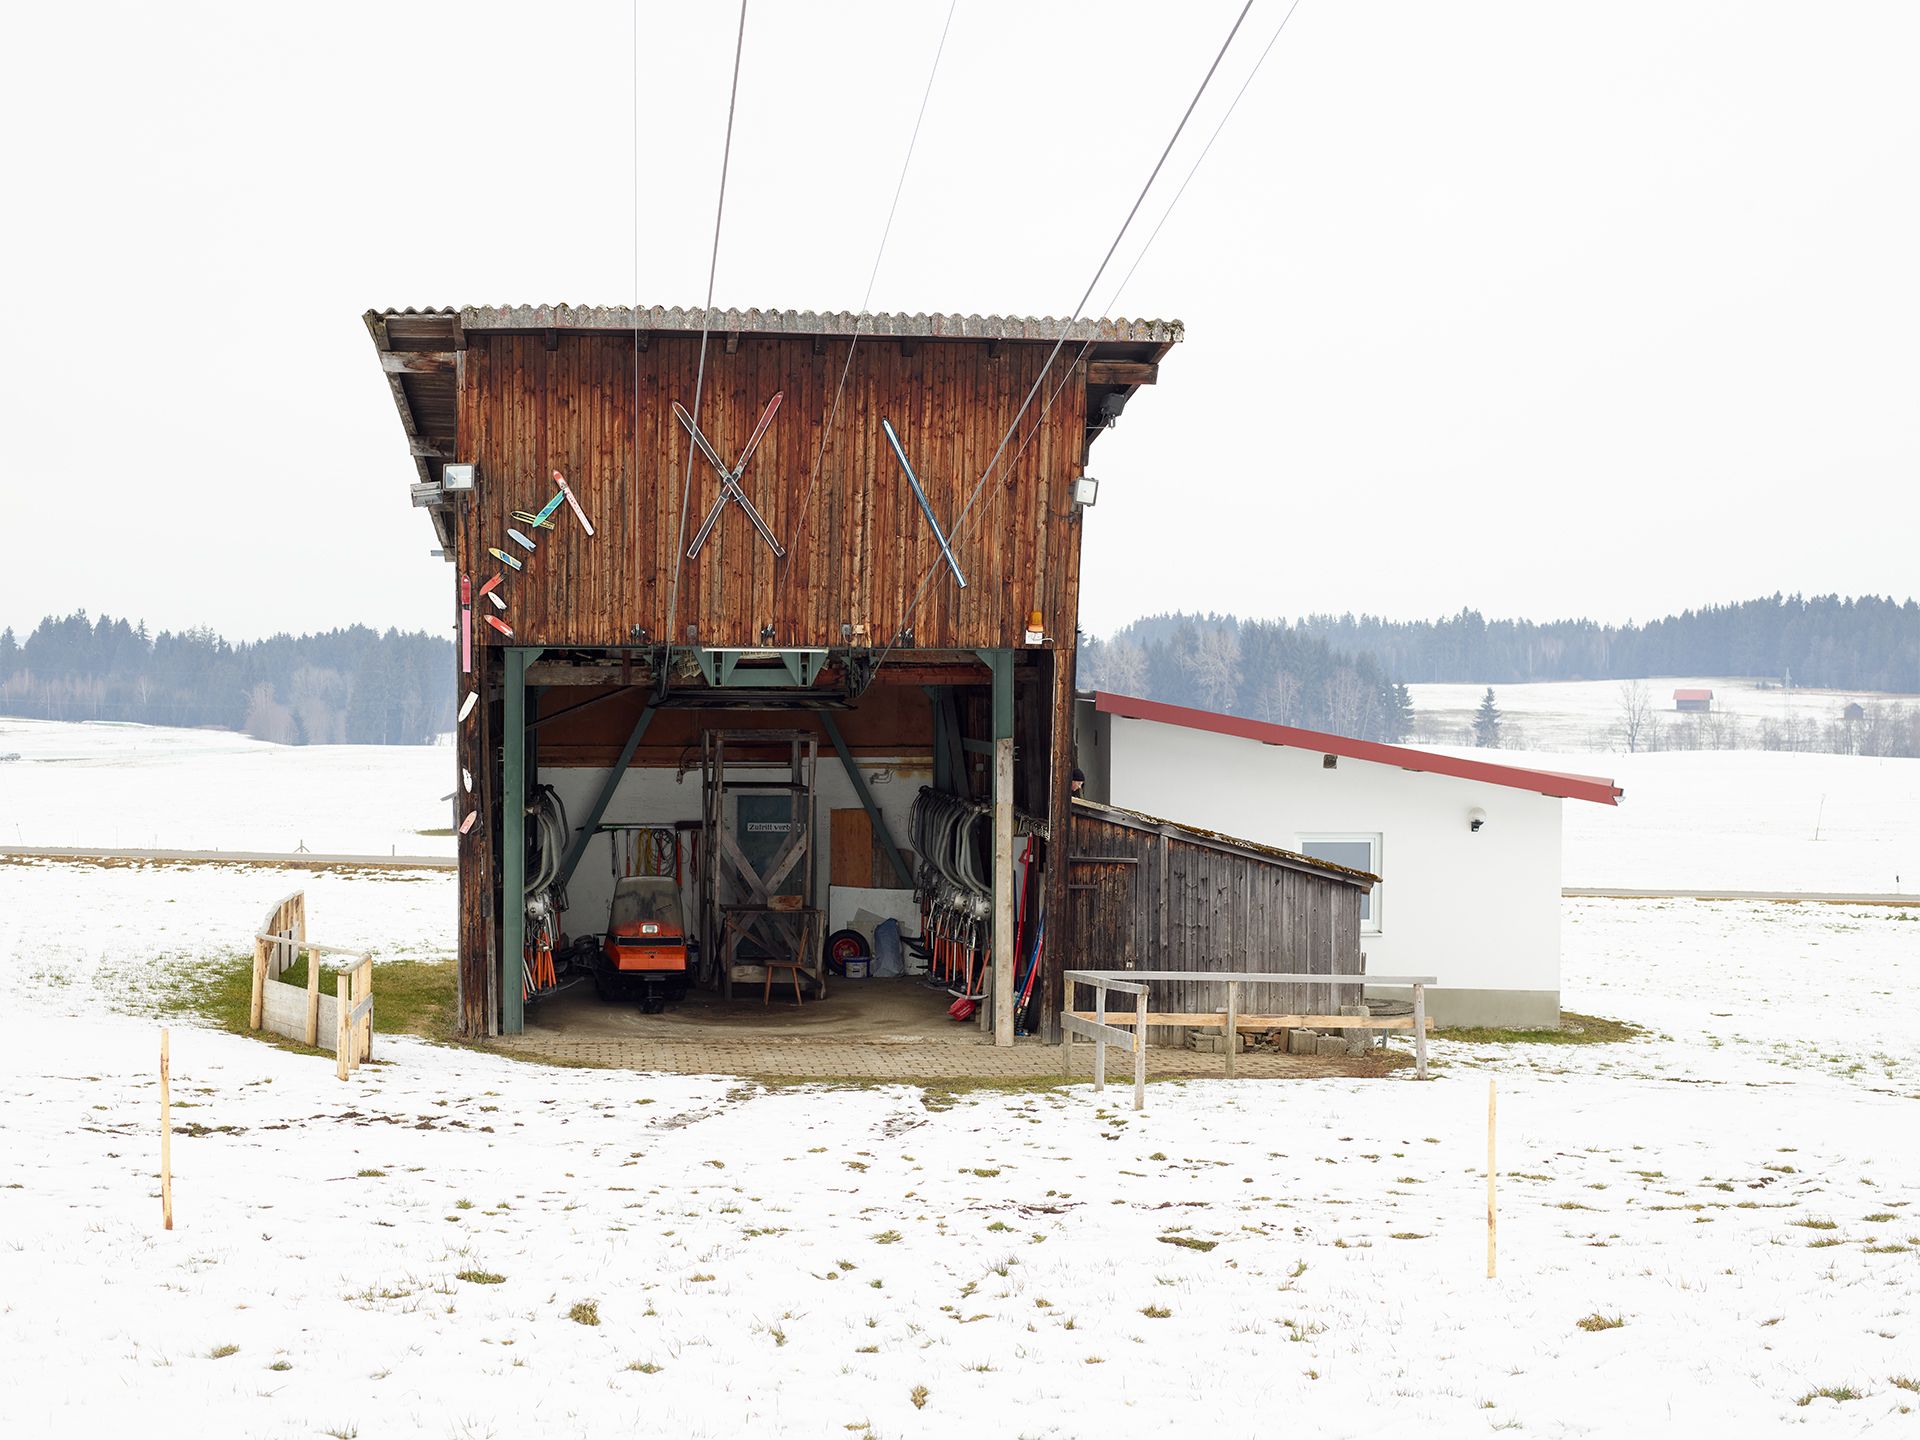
point(645, 954)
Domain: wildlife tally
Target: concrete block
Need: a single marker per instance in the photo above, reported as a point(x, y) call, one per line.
point(1213, 1042)
point(1358, 1041)
point(1303, 1042)
point(1333, 1045)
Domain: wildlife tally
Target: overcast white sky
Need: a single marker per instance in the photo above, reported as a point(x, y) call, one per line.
point(1541, 308)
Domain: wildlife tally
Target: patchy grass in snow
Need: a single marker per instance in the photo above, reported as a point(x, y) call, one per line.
point(585, 1312)
point(1574, 1030)
point(1831, 1392)
point(411, 997)
point(1597, 1322)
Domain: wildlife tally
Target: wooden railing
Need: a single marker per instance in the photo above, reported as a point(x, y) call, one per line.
point(279, 942)
point(1104, 1029)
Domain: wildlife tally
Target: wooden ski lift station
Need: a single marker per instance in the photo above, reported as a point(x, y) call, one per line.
point(715, 588)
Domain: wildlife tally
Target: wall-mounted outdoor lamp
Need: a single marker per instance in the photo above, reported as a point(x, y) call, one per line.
point(1086, 490)
point(456, 477)
point(1476, 817)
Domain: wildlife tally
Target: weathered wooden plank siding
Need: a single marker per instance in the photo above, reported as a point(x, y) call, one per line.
point(1194, 906)
point(525, 410)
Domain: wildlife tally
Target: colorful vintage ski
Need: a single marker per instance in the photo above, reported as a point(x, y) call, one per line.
point(466, 705)
point(496, 601)
point(504, 558)
point(501, 626)
point(545, 517)
point(532, 521)
point(522, 541)
point(567, 491)
point(467, 824)
point(491, 585)
point(466, 625)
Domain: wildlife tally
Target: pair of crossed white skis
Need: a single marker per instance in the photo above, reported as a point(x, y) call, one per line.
point(730, 484)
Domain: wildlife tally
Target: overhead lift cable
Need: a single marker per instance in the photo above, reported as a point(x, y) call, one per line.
point(1054, 354)
point(1113, 301)
point(866, 300)
point(706, 324)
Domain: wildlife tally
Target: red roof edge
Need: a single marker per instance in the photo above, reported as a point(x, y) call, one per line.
point(1513, 777)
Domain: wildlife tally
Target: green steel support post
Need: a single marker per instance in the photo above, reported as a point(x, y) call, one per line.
point(956, 761)
point(605, 798)
point(942, 776)
point(513, 840)
point(899, 861)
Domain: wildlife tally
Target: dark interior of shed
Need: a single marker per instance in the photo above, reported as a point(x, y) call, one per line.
point(753, 857)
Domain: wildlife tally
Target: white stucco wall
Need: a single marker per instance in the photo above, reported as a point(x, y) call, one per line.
point(655, 796)
point(1478, 911)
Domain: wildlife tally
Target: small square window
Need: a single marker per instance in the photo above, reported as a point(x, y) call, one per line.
point(1356, 852)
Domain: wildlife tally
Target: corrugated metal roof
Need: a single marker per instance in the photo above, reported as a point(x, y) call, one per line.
point(802, 322)
point(1182, 831)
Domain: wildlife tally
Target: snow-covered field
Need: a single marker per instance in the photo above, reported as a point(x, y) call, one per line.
point(149, 787)
point(1739, 819)
point(1739, 1189)
point(1743, 820)
point(1575, 715)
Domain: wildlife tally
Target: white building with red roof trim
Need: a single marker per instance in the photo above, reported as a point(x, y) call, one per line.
point(1467, 850)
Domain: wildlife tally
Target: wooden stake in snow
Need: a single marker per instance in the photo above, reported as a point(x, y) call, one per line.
point(1490, 1174)
point(166, 1137)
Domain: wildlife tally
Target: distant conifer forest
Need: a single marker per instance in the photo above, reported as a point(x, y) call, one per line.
point(351, 686)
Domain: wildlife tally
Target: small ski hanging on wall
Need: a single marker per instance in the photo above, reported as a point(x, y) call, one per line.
point(567, 491)
point(466, 625)
point(522, 541)
point(466, 705)
point(504, 558)
point(490, 586)
point(495, 601)
point(532, 520)
point(500, 625)
point(467, 824)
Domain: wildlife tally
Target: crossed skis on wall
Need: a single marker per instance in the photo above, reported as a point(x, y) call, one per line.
point(731, 491)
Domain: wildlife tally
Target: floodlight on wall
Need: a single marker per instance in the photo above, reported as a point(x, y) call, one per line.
point(1086, 490)
point(1476, 817)
point(456, 477)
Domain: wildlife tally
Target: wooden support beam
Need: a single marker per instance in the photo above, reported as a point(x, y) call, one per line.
point(586, 704)
point(1122, 372)
point(1001, 663)
point(417, 362)
point(885, 836)
point(579, 847)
